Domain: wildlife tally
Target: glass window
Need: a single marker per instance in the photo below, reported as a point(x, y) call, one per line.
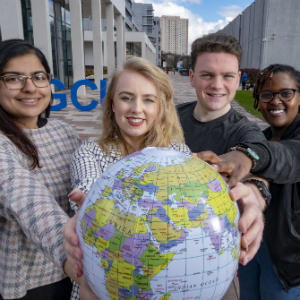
point(51, 9)
point(27, 20)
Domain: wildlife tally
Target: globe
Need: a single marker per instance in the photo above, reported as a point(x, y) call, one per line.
point(159, 224)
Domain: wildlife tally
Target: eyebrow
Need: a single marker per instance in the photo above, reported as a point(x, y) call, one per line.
point(131, 94)
point(18, 73)
point(225, 73)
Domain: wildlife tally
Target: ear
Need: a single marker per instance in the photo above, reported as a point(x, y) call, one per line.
point(192, 77)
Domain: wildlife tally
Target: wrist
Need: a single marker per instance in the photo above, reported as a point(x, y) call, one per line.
point(261, 191)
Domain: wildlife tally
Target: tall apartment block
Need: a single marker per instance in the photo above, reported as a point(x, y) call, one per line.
point(174, 35)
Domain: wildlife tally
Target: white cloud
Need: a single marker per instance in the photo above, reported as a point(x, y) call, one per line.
point(197, 26)
point(230, 11)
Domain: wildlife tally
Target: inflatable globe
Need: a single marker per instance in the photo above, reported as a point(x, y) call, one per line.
point(159, 224)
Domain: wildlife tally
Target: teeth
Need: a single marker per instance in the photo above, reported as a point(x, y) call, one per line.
point(28, 100)
point(279, 111)
point(136, 120)
point(216, 95)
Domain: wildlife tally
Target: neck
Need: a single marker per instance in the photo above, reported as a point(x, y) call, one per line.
point(203, 115)
point(28, 124)
point(277, 133)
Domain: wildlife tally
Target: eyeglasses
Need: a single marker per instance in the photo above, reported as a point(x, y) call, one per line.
point(17, 82)
point(284, 95)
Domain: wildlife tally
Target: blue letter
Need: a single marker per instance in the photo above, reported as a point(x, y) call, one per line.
point(74, 99)
point(102, 91)
point(62, 97)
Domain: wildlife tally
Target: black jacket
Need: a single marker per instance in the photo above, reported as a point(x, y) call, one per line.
point(282, 229)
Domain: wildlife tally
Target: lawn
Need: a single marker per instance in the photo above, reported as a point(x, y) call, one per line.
point(244, 98)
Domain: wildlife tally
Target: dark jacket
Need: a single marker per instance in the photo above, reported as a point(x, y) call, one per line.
point(282, 229)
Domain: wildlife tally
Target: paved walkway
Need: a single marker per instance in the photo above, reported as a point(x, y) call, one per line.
point(88, 125)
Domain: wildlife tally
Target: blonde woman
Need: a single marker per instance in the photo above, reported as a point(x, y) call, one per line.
point(139, 112)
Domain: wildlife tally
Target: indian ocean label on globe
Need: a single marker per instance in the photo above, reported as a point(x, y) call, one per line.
point(159, 224)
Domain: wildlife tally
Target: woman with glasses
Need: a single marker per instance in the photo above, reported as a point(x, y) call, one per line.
point(35, 156)
point(274, 273)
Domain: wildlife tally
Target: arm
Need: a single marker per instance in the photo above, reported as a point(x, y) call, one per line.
point(27, 201)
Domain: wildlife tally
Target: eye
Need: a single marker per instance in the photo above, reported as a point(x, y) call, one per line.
point(40, 77)
point(13, 78)
point(126, 98)
point(229, 76)
point(286, 93)
point(149, 100)
point(205, 75)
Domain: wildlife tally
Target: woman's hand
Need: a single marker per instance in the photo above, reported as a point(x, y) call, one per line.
point(71, 242)
point(233, 166)
point(251, 223)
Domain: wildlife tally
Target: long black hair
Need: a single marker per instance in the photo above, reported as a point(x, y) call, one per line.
point(268, 72)
point(10, 49)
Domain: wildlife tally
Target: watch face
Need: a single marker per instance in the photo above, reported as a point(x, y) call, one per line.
point(253, 154)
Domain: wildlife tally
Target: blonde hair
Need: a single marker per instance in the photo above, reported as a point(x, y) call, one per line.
point(166, 128)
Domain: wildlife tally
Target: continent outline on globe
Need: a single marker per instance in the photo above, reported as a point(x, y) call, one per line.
point(159, 224)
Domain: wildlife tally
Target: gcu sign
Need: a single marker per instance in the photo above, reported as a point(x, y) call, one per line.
point(63, 97)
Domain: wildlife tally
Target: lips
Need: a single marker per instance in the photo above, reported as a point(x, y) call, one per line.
point(216, 95)
point(276, 112)
point(135, 121)
point(28, 100)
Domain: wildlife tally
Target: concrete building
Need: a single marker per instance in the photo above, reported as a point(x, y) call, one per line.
point(174, 35)
point(156, 32)
point(56, 27)
point(269, 32)
point(143, 18)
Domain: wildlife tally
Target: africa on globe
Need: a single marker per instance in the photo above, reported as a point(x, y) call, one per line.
point(159, 224)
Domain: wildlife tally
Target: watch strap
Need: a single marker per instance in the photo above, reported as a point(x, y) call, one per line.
point(262, 189)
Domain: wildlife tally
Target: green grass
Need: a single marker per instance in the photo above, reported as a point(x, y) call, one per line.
point(244, 98)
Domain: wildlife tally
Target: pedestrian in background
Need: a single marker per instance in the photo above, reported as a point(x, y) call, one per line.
point(244, 81)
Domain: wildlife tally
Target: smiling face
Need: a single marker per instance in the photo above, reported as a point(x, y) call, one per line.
point(215, 78)
point(27, 104)
point(135, 105)
point(277, 113)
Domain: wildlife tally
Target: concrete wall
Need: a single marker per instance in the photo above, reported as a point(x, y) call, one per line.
point(148, 50)
point(269, 32)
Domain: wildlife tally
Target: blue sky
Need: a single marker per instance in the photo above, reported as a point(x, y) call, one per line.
point(205, 16)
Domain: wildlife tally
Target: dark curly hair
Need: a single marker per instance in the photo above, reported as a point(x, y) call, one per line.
point(10, 49)
point(273, 69)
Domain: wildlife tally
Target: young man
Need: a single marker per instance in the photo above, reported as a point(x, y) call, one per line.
point(210, 123)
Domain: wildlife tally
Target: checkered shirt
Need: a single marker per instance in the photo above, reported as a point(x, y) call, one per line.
point(34, 208)
point(89, 162)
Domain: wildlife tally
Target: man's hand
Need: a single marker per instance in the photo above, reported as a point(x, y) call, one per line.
point(251, 223)
point(233, 166)
point(71, 241)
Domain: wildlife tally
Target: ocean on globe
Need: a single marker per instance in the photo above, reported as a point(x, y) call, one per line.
point(159, 224)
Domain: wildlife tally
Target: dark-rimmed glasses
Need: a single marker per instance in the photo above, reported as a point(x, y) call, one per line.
point(17, 82)
point(284, 95)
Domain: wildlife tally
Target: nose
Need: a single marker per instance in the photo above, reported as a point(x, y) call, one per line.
point(29, 86)
point(276, 99)
point(137, 105)
point(217, 82)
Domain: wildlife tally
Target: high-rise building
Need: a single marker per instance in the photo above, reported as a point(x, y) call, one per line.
point(143, 18)
point(174, 35)
point(156, 32)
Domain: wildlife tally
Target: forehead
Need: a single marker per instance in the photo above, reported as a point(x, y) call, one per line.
point(135, 82)
point(279, 81)
point(24, 64)
point(217, 62)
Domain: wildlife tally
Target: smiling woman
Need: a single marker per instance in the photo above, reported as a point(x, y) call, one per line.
point(34, 204)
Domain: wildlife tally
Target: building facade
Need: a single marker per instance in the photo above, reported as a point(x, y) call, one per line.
point(156, 32)
point(269, 32)
point(174, 35)
point(69, 32)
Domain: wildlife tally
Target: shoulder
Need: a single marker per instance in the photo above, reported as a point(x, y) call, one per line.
point(59, 125)
point(180, 147)
point(185, 107)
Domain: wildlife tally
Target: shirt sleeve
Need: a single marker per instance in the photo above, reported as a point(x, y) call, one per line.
point(284, 165)
point(27, 201)
point(180, 147)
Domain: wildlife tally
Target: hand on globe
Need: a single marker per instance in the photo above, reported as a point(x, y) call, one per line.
point(251, 222)
point(71, 241)
point(233, 166)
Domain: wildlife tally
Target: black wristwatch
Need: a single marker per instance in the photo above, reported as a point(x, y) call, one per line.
point(248, 151)
point(262, 188)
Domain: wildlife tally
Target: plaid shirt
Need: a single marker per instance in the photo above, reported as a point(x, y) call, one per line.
point(88, 163)
point(34, 208)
